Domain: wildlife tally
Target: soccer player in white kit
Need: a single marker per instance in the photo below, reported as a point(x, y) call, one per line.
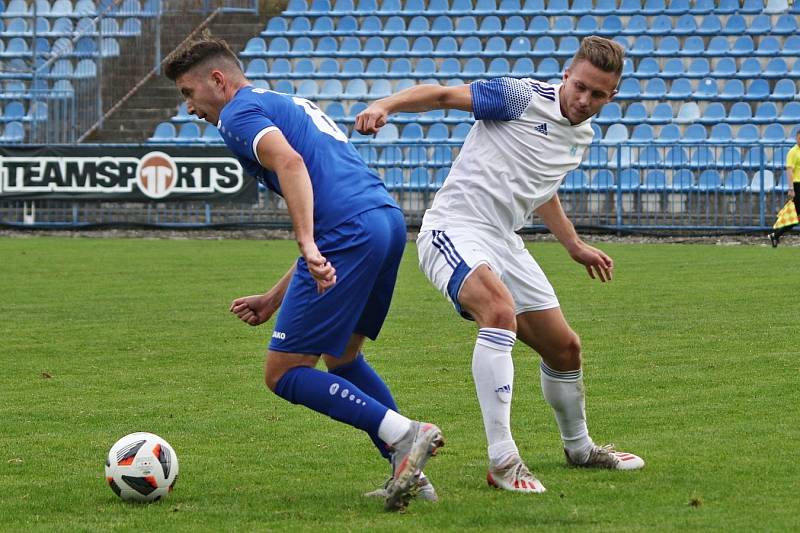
point(527, 136)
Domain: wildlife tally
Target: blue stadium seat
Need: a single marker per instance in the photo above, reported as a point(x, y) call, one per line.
point(776, 68)
point(661, 114)
point(425, 67)
point(735, 25)
point(346, 25)
point(757, 90)
point(791, 46)
point(786, 24)
point(648, 68)
point(661, 25)
point(556, 7)
point(785, 89)
point(189, 132)
point(411, 132)
point(548, 68)
point(730, 157)
point(673, 68)
point(575, 180)
point(495, 46)
point(685, 25)
point(770, 46)
point(706, 89)
point(284, 86)
point(393, 178)
point(471, 46)
point(329, 68)
point(490, 26)
point(703, 7)
point(776, 6)
point(743, 46)
point(694, 134)
point(713, 113)
point(676, 157)
point(643, 46)
point(586, 25)
point(437, 133)
point(539, 25)
point(636, 25)
point(612, 25)
point(447, 46)
point(682, 181)
point(544, 47)
point(740, 113)
point(602, 180)
point(257, 68)
point(596, 157)
point(473, 68)
point(710, 25)
point(635, 113)
point(485, 7)
point(387, 134)
point(698, 68)
point(498, 67)
point(655, 89)
point(790, 114)
point(514, 25)
point(654, 181)
point(724, 7)
point(611, 113)
point(604, 7)
point(567, 47)
point(629, 89)
point(629, 180)
point(692, 46)
point(718, 47)
point(720, 133)
point(709, 181)
point(451, 68)
point(755, 157)
point(14, 133)
point(523, 67)
point(733, 90)
point(394, 26)
point(766, 113)
point(356, 89)
point(773, 134)
point(668, 47)
point(459, 133)
point(211, 135)
point(750, 68)
point(642, 133)
point(649, 157)
point(308, 89)
point(276, 25)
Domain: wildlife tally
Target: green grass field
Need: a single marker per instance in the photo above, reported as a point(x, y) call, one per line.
point(691, 360)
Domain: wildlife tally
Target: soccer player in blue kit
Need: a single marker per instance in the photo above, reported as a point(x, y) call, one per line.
point(351, 236)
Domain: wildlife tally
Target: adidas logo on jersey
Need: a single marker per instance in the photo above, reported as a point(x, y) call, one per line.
point(541, 128)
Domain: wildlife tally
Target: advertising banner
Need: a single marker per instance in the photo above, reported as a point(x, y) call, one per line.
point(123, 173)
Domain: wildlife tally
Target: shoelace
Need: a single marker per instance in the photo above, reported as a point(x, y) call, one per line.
point(520, 471)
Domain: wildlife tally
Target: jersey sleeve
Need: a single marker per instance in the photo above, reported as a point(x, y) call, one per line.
point(500, 98)
point(244, 128)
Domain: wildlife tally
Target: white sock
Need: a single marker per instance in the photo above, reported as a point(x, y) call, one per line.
point(393, 427)
point(564, 392)
point(493, 372)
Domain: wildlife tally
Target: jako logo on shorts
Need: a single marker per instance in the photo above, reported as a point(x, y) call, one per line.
point(279, 335)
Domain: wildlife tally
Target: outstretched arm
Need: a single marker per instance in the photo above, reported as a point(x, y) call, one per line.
point(597, 263)
point(411, 100)
point(275, 153)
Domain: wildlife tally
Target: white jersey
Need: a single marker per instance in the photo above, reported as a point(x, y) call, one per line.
point(513, 159)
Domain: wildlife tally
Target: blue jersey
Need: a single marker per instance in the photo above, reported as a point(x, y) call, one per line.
point(343, 184)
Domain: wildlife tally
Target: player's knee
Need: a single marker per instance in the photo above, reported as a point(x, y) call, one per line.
point(571, 351)
point(272, 376)
point(501, 316)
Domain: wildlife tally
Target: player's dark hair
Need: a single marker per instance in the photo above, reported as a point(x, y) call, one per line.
point(602, 53)
point(205, 49)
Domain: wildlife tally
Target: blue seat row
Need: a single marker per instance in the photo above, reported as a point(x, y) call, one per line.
point(696, 134)
point(689, 112)
point(682, 181)
point(700, 67)
point(65, 27)
point(551, 7)
point(63, 47)
point(706, 89)
point(82, 8)
point(537, 26)
point(675, 157)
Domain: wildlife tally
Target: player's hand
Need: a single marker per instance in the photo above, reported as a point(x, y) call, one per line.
point(597, 263)
point(253, 310)
point(319, 267)
point(372, 119)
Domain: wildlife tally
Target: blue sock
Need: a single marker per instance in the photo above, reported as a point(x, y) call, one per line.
point(333, 396)
point(359, 373)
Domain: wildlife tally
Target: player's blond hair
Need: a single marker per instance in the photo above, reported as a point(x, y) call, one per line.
point(602, 53)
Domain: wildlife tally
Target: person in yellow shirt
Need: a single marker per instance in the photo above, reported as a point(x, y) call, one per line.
point(793, 171)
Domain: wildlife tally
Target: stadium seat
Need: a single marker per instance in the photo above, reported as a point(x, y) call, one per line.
point(740, 113)
point(611, 113)
point(211, 135)
point(655, 89)
point(698, 68)
point(165, 132)
point(682, 181)
point(498, 67)
point(713, 114)
point(688, 113)
point(694, 134)
point(770, 46)
point(720, 133)
point(648, 157)
point(776, 68)
point(750, 68)
point(709, 180)
point(733, 90)
point(776, 6)
point(735, 25)
point(602, 180)
point(785, 89)
point(459, 133)
point(791, 46)
point(575, 180)
point(757, 90)
point(710, 25)
point(785, 25)
point(612, 25)
point(635, 113)
point(673, 68)
point(629, 89)
point(735, 182)
point(724, 7)
point(706, 89)
point(356, 89)
point(661, 114)
point(642, 133)
point(676, 157)
point(596, 157)
point(654, 181)
point(790, 114)
point(669, 134)
point(773, 134)
point(615, 134)
point(730, 157)
point(388, 134)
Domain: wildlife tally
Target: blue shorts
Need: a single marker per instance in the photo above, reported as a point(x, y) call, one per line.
point(366, 252)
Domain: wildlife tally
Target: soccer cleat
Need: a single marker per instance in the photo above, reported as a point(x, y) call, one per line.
point(423, 491)
point(514, 476)
point(607, 457)
point(774, 239)
point(409, 456)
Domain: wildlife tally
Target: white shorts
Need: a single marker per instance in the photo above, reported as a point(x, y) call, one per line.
point(448, 257)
